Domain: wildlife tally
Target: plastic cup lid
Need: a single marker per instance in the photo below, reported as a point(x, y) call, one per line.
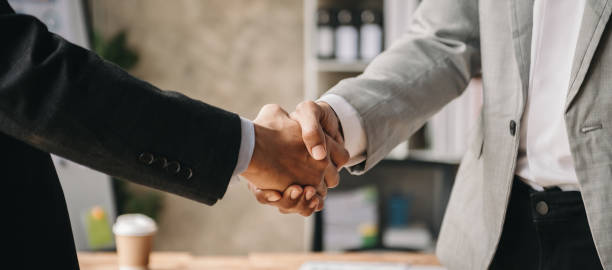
point(134, 225)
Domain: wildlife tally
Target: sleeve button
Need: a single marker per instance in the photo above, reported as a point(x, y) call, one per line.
point(188, 173)
point(173, 167)
point(161, 162)
point(542, 208)
point(146, 158)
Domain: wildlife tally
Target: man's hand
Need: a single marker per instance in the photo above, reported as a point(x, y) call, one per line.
point(318, 122)
point(322, 135)
point(280, 158)
point(294, 199)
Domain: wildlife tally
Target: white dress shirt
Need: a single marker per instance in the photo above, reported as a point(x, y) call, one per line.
point(544, 155)
point(544, 159)
point(247, 145)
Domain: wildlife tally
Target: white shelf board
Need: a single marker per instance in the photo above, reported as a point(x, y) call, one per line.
point(340, 66)
point(431, 156)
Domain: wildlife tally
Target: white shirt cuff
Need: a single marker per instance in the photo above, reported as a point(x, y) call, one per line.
point(247, 144)
point(355, 140)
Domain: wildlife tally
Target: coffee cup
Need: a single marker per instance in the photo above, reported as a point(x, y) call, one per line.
point(134, 238)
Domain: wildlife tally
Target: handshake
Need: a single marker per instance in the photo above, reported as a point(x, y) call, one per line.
point(296, 157)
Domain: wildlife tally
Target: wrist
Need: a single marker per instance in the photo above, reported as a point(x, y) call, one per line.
point(254, 165)
point(353, 129)
point(331, 112)
point(247, 143)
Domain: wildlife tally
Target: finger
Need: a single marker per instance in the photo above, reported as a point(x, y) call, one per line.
point(287, 204)
point(337, 153)
point(314, 203)
point(269, 195)
point(309, 192)
point(295, 191)
point(332, 177)
point(265, 196)
point(304, 207)
point(287, 201)
point(320, 205)
point(299, 205)
point(308, 115)
point(322, 189)
point(329, 122)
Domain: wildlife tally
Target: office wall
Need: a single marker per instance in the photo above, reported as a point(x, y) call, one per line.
point(235, 54)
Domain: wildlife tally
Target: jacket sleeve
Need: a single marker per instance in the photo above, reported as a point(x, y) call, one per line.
point(430, 65)
point(64, 99)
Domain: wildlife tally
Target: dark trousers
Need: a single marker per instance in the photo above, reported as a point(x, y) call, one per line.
point(545, 230)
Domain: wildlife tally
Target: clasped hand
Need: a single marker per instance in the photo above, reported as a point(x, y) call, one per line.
point(296, 157)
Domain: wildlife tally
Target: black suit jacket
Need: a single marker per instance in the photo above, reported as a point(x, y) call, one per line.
point(56, 97)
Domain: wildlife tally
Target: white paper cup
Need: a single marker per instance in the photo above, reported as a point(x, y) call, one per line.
point(134, 238)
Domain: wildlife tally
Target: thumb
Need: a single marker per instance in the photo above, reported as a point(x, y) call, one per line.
point(308, 115)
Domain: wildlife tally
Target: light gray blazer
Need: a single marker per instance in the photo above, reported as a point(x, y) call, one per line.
point(449, 42)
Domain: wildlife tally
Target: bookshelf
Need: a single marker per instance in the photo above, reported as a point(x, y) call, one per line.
point(444, 138)
point(424, 166)
point(341, 67)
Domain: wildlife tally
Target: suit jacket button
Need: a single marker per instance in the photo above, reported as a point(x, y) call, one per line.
point(161, 162)
point(146, 158)
point(512, 127)
point(542, 208)
point(173, 167)
point(188, 173)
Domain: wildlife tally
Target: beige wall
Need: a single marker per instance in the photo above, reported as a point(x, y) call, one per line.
point(235, 54)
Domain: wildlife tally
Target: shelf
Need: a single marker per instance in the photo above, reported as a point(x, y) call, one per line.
point(424, 155)
point(431, 156)
point(339, 66)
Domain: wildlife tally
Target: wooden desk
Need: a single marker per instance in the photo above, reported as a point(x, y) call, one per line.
point(255, 261)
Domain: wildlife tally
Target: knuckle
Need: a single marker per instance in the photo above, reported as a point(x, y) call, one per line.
point(311, 105)
point(345, 156)
point(291, 204)
point(271, 107)
point(310, 189)
point(261, 200)
point(312, 132)
point(300, 106)
point(314, 182)
point(284, 203)
point(306, 105)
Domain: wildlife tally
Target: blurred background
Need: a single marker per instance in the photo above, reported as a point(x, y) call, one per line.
point(240, 55)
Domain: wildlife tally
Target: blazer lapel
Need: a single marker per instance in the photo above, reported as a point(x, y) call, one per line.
point(596, 15)
point(521, 18)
